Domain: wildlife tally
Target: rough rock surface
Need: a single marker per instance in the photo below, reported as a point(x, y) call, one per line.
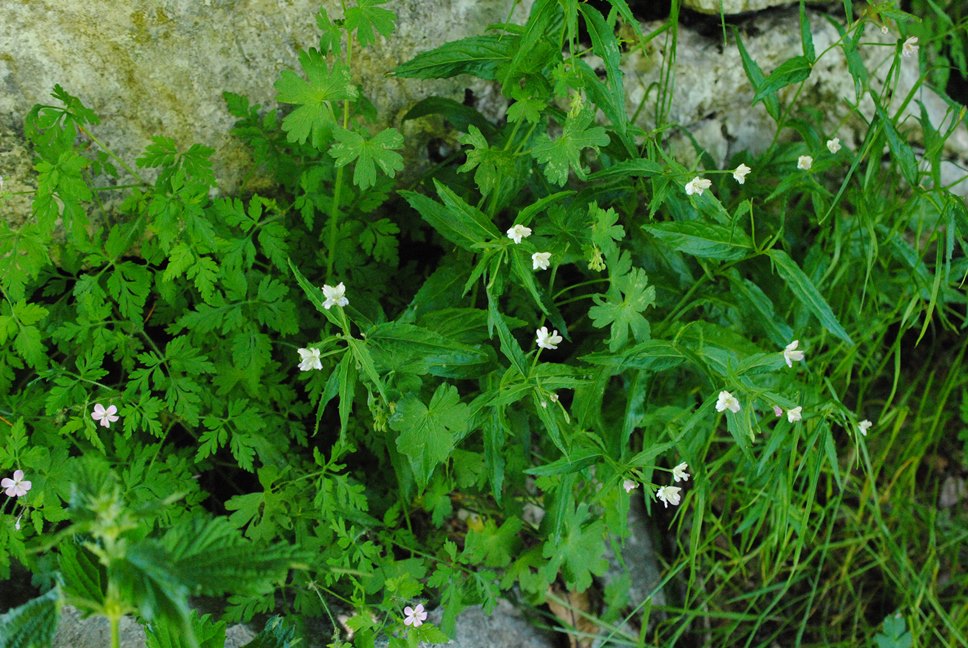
point(712, 95)
point(505, 627)
point(151, 67)
point(95, 632)
point(731, 7)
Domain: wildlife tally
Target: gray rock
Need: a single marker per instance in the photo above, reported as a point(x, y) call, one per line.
point(505, 627)
point(94, 632)
point(712, 97)
point(151, 67)
point(731, 7)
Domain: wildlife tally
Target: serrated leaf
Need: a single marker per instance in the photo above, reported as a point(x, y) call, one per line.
point(129, 284)
point(313, 118)
point(804, 290)
point(428, 433)
point(622, 309)
point(31, 624)
point(579, 553)
point(207, 633)
point(368, 16)
point(479, 56)
point(793, 70)
point(703, 240)
point(564, 153)
point(368, 154)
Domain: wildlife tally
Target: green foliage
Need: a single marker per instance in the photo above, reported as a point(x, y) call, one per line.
point(330, 395)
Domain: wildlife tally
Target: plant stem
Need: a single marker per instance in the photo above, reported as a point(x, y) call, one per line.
point(334, 206)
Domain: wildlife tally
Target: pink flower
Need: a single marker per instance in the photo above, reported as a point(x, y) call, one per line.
point(414, 616)
point(16, 487)
point(105, 416)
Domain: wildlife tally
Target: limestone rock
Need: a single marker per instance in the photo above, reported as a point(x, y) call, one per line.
point(151, 67)
point(712, 97)
point(731, 7)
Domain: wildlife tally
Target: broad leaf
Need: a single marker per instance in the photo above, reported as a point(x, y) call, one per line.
point(428, 433)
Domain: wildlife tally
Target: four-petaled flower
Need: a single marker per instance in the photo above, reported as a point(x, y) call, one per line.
point(104, 416)
point(697, 185)
point(795, 414)
point(739, 175)
point(863, 426)
point(804, 162)
point(679, 472)
point(518, 232)
point(309, 359)
point(910, 47)
point(335, 296)
point(669, 495)
point(727, 401)
point(540, 260)
point(16, 487)
point(833, 145)
point(629, 485)
point(791, 354)
point(414, 616)
point(548, 340)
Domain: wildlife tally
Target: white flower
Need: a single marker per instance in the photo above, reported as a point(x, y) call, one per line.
point(739, 175)
point(16, 487)
point(863, 427)
point(833, 145)
point(518, 232)
point(679, 472)
point(697, 185)
point(548, 340)
point(791, 355)
point(795, 414)
point(910, 47)
point(309, 359)
point(414, 616)
point(669, 495)
point(885, 30)
point(629, 485)
point(335, 296)
point(540, 260)
point(727, 401)
point(104, 416)
point(804, 162)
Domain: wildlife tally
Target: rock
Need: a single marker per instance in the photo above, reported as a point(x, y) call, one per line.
point(159, 68)
point(94, 632)
point(712, 96)
point(505, 627)
point(637, 565)
point(731, 7)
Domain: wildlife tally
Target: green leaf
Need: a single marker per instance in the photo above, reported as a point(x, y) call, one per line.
point(492, 546)
point(804, 290)
point(33, 623)
point(368, 154)
point(368, 16)
point(428, 433)
point(277, 633)
point(208, 633)
point(491, 163)
point(313, 118)
point(479, 56)
point(580, 552)
point(900, 150)
point(406, 348)
point(455, 220)
point(793, 70)
point(23, 254)
point(564, 153)
point(757, 78)
point(379, 240)
point(806, 36)
point(629, 295)
point(459, 115)
point(605, 46)
point(129, 285)
point(703, 240)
